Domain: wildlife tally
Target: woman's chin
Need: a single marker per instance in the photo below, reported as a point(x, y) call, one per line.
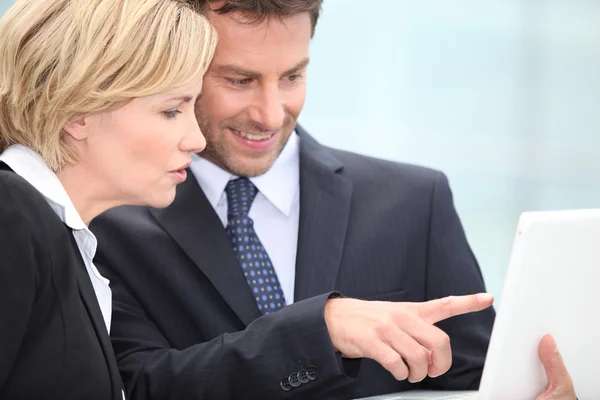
point(162, 200)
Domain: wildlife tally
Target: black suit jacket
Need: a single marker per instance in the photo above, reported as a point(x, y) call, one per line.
point(186, 326)
point(53, 340)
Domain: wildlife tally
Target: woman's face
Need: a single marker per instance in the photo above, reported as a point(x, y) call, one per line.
point(138, 152)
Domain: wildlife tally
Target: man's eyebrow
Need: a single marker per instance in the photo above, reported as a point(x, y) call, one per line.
point(299, 66)
point(241, 71)
point(238, 70)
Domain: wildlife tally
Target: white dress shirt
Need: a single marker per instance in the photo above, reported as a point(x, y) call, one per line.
point(31, 167)
point(275, 210)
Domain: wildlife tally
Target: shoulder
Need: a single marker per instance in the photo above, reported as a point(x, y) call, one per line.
point(19, 198)
point(366, 169)
point(24, 210)
point(123, 218)
point(29, 227)
point(376, 172)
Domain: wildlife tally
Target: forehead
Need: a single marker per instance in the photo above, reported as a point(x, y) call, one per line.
point(280, 42)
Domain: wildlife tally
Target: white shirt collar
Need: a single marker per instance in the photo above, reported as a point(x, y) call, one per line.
point(280, 184)
point(31, 166)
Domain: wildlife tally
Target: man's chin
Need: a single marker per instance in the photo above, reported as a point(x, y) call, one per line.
point(251, 168)
point(251, 172)
point(247, 165)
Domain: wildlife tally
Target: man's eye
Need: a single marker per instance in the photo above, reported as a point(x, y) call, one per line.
point(240, 82)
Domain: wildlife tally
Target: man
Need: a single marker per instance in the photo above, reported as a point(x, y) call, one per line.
point(236, 290)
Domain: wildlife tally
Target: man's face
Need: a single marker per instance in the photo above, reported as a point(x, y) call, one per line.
point(253, 91)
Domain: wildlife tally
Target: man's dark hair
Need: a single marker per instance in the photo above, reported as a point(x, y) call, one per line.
point(258, 10)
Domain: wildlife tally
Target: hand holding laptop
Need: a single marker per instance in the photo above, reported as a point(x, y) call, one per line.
point(559, 387)
point(560, 384)
point(400, 336)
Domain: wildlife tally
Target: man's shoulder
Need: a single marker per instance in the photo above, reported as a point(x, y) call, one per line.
point(370, 170)
point(357, 166)
point(130, 218)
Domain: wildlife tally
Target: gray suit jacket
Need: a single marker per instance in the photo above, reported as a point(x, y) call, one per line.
point(185, 324)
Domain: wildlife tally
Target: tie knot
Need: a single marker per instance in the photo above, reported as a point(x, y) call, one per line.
point(240, 195)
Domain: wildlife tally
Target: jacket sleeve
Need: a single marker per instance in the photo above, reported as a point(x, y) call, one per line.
point(453, 270)
point(264, 361)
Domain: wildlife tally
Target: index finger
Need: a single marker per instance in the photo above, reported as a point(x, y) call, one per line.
point(437, 310)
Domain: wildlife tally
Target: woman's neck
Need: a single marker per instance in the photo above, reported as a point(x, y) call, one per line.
point(87, 195)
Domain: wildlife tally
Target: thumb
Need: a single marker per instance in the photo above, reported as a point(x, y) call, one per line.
point(559, 380)
point(552, 361)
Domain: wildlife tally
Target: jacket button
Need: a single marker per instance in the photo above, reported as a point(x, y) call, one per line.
point(285, 384)
point(293, 380)
point(303, 376)
point(312, 373)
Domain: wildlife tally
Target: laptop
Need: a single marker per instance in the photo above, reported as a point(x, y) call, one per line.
point(551, 286)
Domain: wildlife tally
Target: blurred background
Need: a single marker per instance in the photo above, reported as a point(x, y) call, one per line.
point(503, 96)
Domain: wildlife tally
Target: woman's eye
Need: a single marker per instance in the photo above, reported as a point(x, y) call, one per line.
point(171, 114)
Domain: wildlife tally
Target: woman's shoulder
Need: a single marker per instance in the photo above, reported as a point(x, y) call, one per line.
point(18, 193)
point(22, 204)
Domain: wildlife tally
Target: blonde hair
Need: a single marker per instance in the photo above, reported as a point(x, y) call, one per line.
point(64, 58)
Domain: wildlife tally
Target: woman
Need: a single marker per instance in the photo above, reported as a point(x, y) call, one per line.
point(96, 110)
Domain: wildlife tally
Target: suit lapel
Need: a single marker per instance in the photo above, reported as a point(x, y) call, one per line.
point(325, 197)
point(192, 222)
point(90, 302)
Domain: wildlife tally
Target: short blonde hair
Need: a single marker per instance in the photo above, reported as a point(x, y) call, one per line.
point(64, 58)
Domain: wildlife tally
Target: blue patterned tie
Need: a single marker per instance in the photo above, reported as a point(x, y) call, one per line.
point(251, 254)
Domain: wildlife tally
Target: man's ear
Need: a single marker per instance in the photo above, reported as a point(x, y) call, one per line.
point(77, 127)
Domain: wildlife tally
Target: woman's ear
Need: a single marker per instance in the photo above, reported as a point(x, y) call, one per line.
point(77, 127)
